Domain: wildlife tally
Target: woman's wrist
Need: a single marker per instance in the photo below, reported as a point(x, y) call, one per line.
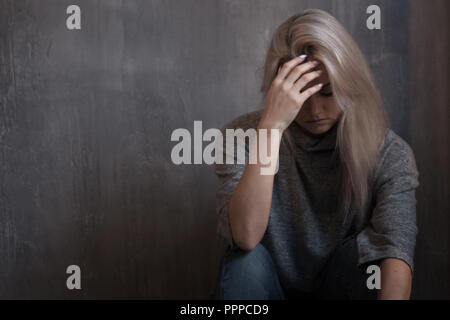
point(270, 125)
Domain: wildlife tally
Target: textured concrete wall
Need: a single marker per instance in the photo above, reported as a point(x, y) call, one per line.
point(85, 124)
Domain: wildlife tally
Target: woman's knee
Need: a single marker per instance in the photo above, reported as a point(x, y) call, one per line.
point(256, 263)
point(250, 275)
point(342, 278)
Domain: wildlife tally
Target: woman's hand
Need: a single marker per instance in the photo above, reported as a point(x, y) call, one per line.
point(284, 99)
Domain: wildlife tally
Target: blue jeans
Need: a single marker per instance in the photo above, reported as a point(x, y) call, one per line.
point(253, 275)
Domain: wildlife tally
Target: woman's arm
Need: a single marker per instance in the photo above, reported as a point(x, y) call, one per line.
point(249, 206)
point(250, 203)
point(396, 280)
point(390, 235)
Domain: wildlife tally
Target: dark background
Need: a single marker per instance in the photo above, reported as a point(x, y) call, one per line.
point(86, 117)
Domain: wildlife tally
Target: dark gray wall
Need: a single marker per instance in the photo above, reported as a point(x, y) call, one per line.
point(85, 124)
point(430, 139)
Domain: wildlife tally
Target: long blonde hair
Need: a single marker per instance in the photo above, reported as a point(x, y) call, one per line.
point(362, 126)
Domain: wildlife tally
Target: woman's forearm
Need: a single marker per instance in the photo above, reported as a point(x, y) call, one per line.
point(249, 207)
point(396, 280)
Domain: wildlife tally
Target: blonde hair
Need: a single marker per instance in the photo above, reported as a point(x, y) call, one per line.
point(361, 129)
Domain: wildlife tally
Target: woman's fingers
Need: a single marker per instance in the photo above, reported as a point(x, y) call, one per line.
point(305, 95)
point(305, 79)
point(300, 70)
point(284, 69)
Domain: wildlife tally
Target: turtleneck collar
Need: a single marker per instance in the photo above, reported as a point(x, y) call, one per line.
point(326, 142)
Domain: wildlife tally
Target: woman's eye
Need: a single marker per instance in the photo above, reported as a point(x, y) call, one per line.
point(326, 94)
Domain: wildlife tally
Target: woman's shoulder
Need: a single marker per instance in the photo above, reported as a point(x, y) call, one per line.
point(395, 146)
point(245, 121)
point(396, 158)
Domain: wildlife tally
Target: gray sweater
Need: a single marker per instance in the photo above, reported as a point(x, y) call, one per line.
point(304, 227)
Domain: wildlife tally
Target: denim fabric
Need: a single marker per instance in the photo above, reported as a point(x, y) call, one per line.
point(249, 275)
point(253, 275)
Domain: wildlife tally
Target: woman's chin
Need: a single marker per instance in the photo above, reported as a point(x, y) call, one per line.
point(316, 130)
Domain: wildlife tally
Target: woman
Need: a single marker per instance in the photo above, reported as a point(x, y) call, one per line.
point(344, 194)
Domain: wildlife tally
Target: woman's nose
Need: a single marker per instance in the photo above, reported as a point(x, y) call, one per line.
point(314, 104)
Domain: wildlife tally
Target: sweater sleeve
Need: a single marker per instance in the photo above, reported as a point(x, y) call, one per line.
point(391, 231)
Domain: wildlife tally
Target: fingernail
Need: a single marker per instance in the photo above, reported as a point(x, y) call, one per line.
point(316, 63)
point(320, 85)
point(303, 56)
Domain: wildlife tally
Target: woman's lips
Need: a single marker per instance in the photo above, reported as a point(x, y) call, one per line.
point(317, 121)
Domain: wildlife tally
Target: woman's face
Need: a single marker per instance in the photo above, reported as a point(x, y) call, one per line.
point(320, 106)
